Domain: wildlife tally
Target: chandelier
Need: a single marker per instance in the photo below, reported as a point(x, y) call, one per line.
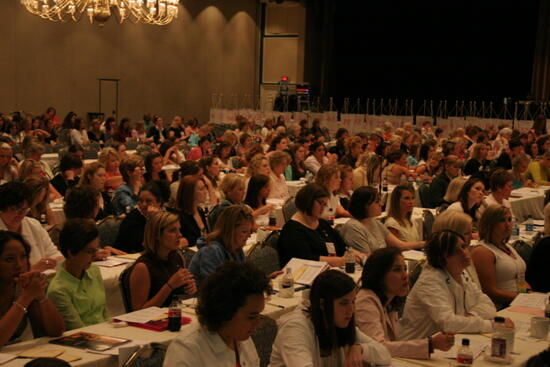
point(157, 12)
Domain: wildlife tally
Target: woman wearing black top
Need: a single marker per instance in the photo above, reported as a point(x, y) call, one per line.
point(298, 153)
point(306, 235)
point(67, 176)
point(192, 193)
point(154, 173)
point(478, 163)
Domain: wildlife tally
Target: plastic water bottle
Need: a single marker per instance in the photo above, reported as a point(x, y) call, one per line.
point(349, 258)
point(384, 185)
point(515, 228)
point(128, 209)
point(464, 356)
point(330, 217)
point(272, 219)
point(174, 316)
point(287, 284)
point(529, 225)
point(499, 347)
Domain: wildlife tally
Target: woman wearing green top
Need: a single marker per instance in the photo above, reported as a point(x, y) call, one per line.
point(77, 289)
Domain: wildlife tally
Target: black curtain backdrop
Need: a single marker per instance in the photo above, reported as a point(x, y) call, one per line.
point(452, 49)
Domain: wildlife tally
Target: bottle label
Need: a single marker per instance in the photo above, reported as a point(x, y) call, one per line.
point(498, 347)
point(465, 359)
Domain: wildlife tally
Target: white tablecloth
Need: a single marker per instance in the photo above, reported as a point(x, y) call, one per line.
point(531, 203)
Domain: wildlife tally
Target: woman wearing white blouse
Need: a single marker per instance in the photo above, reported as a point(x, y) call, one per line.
point(400, 212)
point(228, 313)
point(445, 298)
point(499, 267)
point(278, 161)
point(324, 334)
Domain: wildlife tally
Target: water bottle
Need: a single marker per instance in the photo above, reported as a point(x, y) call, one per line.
point(128, 209)
point(498, 340)
point(201, 241)
point(349, 258)
point(464, 356)
point(330, 216)
point(547, 309)
point(515, 228)
point(384, 185)
point(43, 219)
point(287, 284)
point(272, 219)
point(174, 316)
point(529, 225)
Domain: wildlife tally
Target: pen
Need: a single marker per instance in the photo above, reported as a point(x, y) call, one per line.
point(275, 305)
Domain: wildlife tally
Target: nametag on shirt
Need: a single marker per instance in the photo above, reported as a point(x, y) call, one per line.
point(330, 249)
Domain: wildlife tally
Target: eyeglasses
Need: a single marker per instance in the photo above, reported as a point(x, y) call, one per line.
point(322, 203)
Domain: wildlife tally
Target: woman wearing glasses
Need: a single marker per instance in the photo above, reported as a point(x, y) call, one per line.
point(77, 289)
point(306, 235)
point(14, 207)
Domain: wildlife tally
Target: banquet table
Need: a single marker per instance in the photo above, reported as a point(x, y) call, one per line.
point(295, 186)
point(528, 201)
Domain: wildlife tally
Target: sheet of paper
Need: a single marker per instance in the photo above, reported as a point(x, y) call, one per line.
point(477, 344)
point(129, 256)
point(414, 255)
point(538, 222)
point(42, 351)
point(532, 300)
point(141, 316)
point(110, 262)
point(526, 310)
point(69, 357)
point(399, 363)
point(5, 357)
point(305, 271)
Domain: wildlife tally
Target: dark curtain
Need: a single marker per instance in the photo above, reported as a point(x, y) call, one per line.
point(540, 85)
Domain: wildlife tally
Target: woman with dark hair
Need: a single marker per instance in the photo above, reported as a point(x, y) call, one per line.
point(124, 131)
point(397, 170)
point(67, 176)
point(130, 234)
point(223, 152)
point(125, 198)
point(159, 273)
point(256, 195)
point(399, 220)
point(154, 173)
point(306, 235)
point(225, 243)
point(79, 134)
point(14, 206)
point(201, 150)
point(470, 199)
point(229, 306)
point(324, 334)
point(384, 286)
point(298, 155)
point(192, 194)
point(23, 294)
point(279, 143)
point(94, 175)
point(211, 174)
point(77, 289)
point(445, 298)
point(364, 232)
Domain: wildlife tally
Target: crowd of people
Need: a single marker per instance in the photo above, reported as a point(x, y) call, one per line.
point(225, 187)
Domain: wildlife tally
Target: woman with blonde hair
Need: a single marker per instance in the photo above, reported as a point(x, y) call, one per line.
point(233, 189)
point(38, 201)
point(519, 168)
point(30, 167)
point(8, 165)
point(225, 243)
point(259, 164)
point(367, 171)
point(278, 161)
point(451, 195)
point(160, 273)
point(400, 213)
point(110, 159)
point(500, 268)
point(329, 177)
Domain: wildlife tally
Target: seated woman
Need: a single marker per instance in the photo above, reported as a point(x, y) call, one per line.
point(110, 159)
point(228, 313)
point(479, 163)
point(444, 298)
point(278, 161)
point(432, 168)
point(39, 209)
point(324, 334)
point(367, 171)
point(192, 194)
point(364, 232)
point(346, 185)
point(519, 168)
point(160, 273)
point(306, 235)
point(328, 176)
point(94, 175)
point(77, 289)
point(470, 199)
point(257, 192)
point(233, 189)
point(258, 165)
point(125, 198)
point(298, 169)
point(501, 188)
point(8, 165)
point(384, 286)
point(14, 206)
point(129, 238)
point(23, 294)
point(68, 176)
point(397, 171)
point(400, 212)
point(500, 268)
point(153, 173)
point(539, 170)
point(225, 243)
point(211, 176)
point(30, 167)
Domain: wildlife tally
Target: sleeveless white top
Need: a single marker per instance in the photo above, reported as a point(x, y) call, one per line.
point(507, 267)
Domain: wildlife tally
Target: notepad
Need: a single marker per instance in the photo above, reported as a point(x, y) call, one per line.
point(39, 352)
point(305, 271)
point(129, 256)
point(6, 357)
point(141, 316)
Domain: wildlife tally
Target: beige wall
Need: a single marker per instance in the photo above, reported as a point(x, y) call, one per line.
point(166, 70)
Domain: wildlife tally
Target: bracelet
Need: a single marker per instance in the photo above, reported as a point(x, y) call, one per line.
point(430, 345)
point(20, 306)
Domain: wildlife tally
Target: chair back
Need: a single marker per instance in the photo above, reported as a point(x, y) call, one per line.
point(263, 338)
point(424, 194)
point(427, 223)
point(289, 209)
point(124, 284)
point(265, 258)
point(523, 249)
point(108, 230)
